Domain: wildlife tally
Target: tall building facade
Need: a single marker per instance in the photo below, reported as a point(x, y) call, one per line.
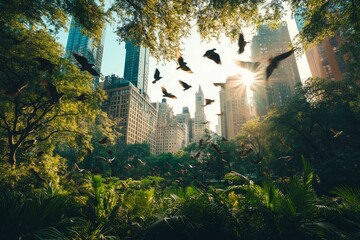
point(169, 135)
point(281, 84)
point(185, 119)
point(199, 122)
point(234, 107)
point(325, 59)
point(85, 46)
point(138, 117)
point(137, 66)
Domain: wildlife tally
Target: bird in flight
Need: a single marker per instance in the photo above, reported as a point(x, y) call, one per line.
point(220, 114)
point(212, 55)
point(80, 170)
point(45, 65)
point(336, 133)
point(208, 102)
point(16, 89)
point(54, 93)
point(241, 43)
point(274, 62)
point(184, 85)
point(166, 94)
point(251, 66)
point(85, 65)
point(216, 147)
point(108, 160)
point(286, 158)
point(182, 63)
point(156, 76)
point(104, 140)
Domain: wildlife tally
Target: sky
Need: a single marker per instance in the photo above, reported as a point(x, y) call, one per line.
point(205, 71)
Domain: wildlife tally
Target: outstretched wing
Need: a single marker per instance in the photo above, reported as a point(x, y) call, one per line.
point(82, 60)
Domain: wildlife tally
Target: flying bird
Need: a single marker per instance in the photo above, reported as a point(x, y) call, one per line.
point(108, 160)
point(80, 170)
point(274, 62)
point(201, 141)
point(336, 133)
point(85, 65)
point(245, 152)
point(257, 161)
point(251, 66)
point(104, 140)
point(156, 76)
point(220, 114)
point(216, 147)
point(241, 43)
point(212, 55)
point(55, 96)
point(182, 63)
point(37, 175)
point(219, 85)
point(16, 89)
point(208, 102)
point(166, 94)
point(224, 139)
point(286, 158)
point(184, 85)
point(206, 122)
point(45, 65)
point(142, 162)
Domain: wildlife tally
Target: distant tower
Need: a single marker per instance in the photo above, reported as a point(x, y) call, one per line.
point(234, 106)
point(325, 59)
point(281, 84)
point(85, 46)
point(200, 118)
point(170, 135)
point(185, 118)
point(137, 66)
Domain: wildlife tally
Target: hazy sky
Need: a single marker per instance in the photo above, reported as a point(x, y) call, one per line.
point(206, 72)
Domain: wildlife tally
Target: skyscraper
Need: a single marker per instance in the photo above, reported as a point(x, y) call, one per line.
point(138, 117)
point(185, 118)
point(170, 135)
point(85, 46)
point(281, 84)
point(199, 123)
point(325, 59)
point(234, 107)
point(137, 66)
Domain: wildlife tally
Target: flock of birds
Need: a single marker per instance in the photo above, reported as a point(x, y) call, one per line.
point(273, 63)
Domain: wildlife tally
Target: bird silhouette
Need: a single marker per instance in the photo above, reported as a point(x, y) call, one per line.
point(55, 96)
point(184, 85)
point(251, 66)
point(224, 139)
point(104, 140)
point(274, 62)
point(108, 160)
point(245, 152)
point(16, 88)
point(201, 141)
point(212, 55)
point(286, 158)
point(80, 170)
point(336, 133)
point(220, 114)
point(206, 122)
point(241, 43)
point(208, 102)
point(45, 65)
point(166, 94)
point(156, 76)
point(37, 175)
point(216, 147)
point(182, 63)
point(85, 65)
point(142, 162)
point(257, 161)
point(82, 97)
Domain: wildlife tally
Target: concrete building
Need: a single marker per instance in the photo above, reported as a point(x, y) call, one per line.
point(199, 121)
point(83, 45)
point(169, 135)
point(325, 59)
point(234, 106)
point(136, 68)
point(281, 84)
point(185, 119)
point(137, 115)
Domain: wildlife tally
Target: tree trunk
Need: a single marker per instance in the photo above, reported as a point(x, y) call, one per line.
point(12, 156)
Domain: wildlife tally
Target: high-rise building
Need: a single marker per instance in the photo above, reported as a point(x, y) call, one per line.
point(234, 106)
point(136, 68)
point(138, 116)
point(185, 119)
point(170, 135)
point(199, 122)
point(281, 84)
point(85, 46)
point(325, 59)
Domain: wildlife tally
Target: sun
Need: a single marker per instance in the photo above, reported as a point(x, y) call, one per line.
point(248, 78)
